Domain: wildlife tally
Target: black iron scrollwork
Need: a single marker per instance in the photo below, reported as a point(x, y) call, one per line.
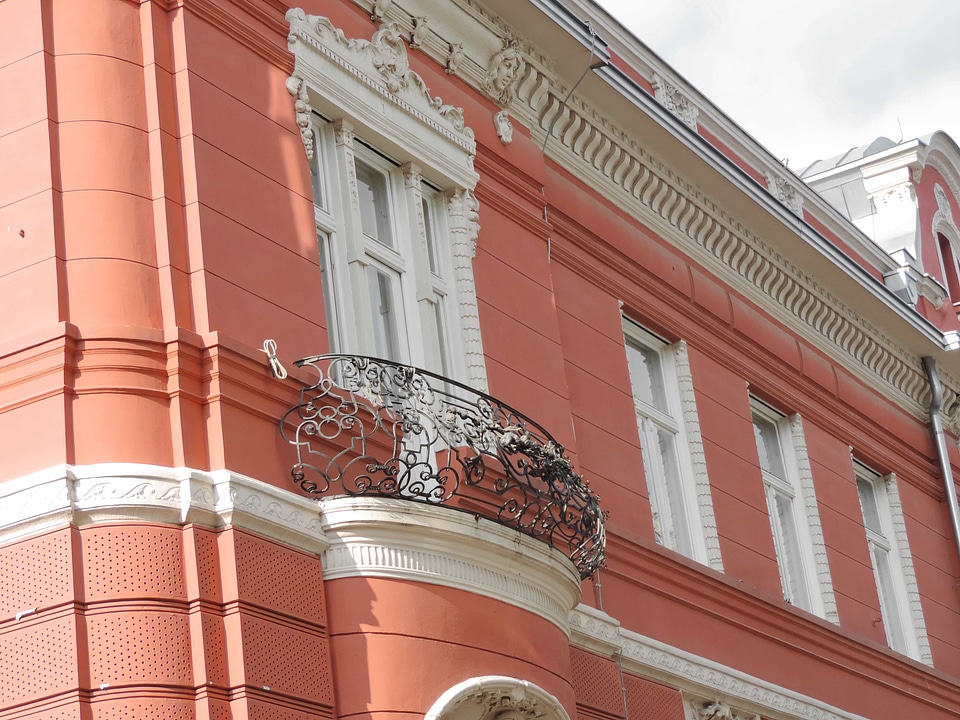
point(376, 427)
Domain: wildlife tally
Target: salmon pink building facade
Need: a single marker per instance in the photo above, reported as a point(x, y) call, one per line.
point(458, 360)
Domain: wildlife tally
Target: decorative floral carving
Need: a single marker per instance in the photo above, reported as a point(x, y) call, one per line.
point(785, 192)
point(674, 100)
point(504, 128)
point(506, 67)
point(390, 56)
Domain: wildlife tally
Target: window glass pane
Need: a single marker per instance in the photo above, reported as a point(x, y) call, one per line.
point(791, 565)
point(646, 376)
point(319, 196)
point(868, 504)
point(888, 598)
point(385, 315)
point(327, 282)
point(374, 207)
point(428, 221)
point(666, 442)
point(768, 446)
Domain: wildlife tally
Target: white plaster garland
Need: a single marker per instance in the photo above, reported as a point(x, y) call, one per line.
point(382, 537)
point(597, 632)
point(943, 217)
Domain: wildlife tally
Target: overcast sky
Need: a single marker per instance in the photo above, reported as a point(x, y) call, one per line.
point(810, 79)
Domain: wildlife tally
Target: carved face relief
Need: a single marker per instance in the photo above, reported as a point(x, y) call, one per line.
point(505, 69)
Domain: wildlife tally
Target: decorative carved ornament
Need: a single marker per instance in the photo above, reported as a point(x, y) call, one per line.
point(785, 192)
point(504, 70)
point(379, 64)
point(944, 214)
point(496, 697)
point(674, 100)
point(504, 128)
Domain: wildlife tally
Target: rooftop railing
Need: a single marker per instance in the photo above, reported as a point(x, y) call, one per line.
point(375, 427)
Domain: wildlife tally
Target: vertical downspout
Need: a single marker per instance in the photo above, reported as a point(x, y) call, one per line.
point(936, 424)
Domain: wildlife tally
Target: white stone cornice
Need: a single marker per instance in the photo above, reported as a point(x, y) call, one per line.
point(132, 492)
point(382, 537)
point(597, 632)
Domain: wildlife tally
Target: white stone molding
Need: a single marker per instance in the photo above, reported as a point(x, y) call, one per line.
point(504, 70)
point(111, 492)
point(382, 537)
point(501, 121)
point(698, 459)
point(786, 192)
point(808, 497)
point(596, 631)
point(914, 609)
point(495, 697)
point(675, 101)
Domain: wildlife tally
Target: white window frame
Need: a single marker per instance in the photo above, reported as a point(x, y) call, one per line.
point(808, 560)
point(906, 617)
point(694, 509)
point(382, 112)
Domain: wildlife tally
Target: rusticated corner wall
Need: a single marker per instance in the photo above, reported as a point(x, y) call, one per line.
point(123, 620)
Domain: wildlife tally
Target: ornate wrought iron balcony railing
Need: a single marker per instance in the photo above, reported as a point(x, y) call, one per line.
point(375, 427)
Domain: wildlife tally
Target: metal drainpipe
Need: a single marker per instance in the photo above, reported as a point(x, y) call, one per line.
point(936, 423)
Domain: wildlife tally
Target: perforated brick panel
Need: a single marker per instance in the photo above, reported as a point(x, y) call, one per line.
point(35, 573)
point(279, 578)
point(132, 562)
point(143, 709)
point(596, 682)
point(286, 660)
point(69, 712)
point(139, 647)
point(208, 564)
point(219, 710)
point(646, 699)
point(214, 648)
point(37, 660)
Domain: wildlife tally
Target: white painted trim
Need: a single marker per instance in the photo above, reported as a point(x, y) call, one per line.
point(133, 492)
point(600, 633)
point(382, 537)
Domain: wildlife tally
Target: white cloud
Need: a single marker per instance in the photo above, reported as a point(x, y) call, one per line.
point(811, 79)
